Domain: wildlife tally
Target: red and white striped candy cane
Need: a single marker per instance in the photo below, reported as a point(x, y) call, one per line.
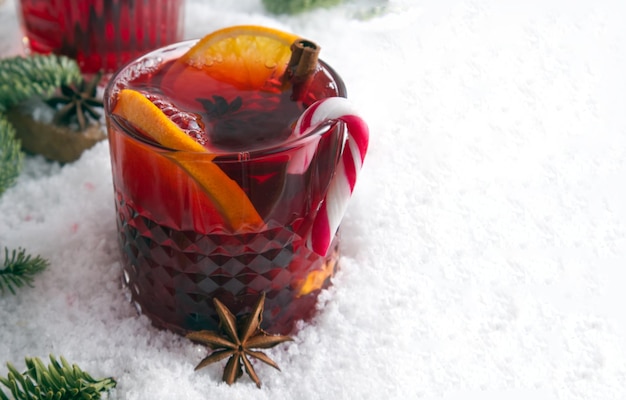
point(340, 190)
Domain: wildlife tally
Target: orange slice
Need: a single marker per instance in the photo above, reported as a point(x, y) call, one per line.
point(226, 194)
point(315, 279)
point(246, 56)
point(135, 108)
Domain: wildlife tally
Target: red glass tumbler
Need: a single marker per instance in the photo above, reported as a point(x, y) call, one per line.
point(177, 252)
point(100, 34)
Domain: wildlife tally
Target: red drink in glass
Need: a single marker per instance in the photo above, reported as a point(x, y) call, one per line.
point(100, 34)
point(178, 251)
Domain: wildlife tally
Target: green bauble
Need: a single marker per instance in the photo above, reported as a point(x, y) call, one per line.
point(296, 6)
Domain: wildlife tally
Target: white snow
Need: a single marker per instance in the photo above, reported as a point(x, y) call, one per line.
point(484, 250)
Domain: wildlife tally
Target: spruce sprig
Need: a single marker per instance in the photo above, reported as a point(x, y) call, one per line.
point(38, 75)
point(296, 6)
point(11, 156)
point(58, 381)
point(19, 269)
point(22, 78)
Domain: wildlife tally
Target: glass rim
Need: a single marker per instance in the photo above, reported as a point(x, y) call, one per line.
point(114, 84)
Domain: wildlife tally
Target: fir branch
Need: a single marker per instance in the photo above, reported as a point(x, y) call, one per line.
point(296, 6)
point(11, 155)
point(19, 270)
point(59, 381)
point(38, 75)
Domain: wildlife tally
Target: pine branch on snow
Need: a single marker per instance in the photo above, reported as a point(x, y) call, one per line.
point(59, 381)
point(10, 155)
point(19, 269)
point(296, 6)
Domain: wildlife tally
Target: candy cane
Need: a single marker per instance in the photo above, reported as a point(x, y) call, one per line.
point(342, 184)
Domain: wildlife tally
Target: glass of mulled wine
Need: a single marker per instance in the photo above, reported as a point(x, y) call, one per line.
point(100, 34)
point(235, 217)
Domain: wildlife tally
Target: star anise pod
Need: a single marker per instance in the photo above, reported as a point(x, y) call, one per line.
point(78, 102)
point(220, 106)
point(238, 343)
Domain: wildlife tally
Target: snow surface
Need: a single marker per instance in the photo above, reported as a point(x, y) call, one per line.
point(484, 251)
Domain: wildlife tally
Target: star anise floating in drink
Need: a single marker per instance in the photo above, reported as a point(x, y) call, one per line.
point(238, 344)
point(220, 106)
point(78, 102)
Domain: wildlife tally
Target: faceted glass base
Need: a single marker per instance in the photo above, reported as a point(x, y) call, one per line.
point(173, 275)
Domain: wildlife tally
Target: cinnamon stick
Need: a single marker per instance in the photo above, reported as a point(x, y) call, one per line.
point(303, 61)
point(302, 64)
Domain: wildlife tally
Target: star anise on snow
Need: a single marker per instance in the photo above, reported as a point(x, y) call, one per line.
point(238, 343)
point(78, 102)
